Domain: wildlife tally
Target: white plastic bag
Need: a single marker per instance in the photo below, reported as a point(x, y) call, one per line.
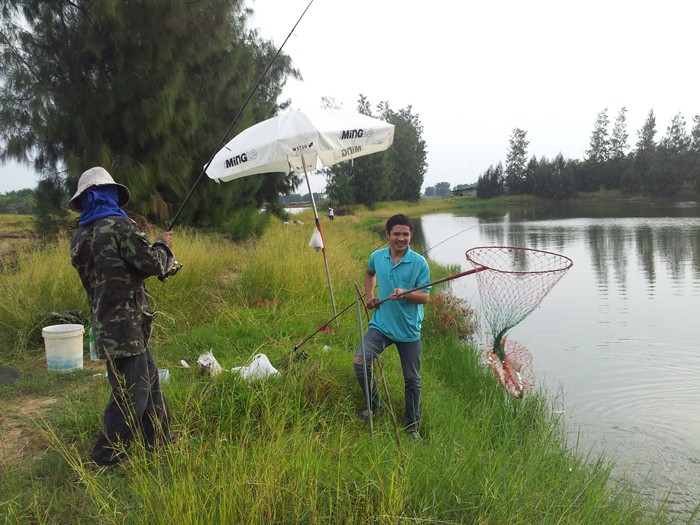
point(259, 368)
point(316, 241)
point(208, 363)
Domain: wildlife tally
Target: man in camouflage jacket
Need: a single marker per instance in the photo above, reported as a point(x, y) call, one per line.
point(113, 258)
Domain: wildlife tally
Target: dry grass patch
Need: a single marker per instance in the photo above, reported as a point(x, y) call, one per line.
point(19, 435)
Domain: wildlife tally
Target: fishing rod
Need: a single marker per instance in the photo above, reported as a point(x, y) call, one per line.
point(321, 328)
point(391, 297)
point(235, 119)
point(438, 281)
point(176, 266)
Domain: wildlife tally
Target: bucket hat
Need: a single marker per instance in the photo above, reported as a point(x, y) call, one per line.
point(97, 177)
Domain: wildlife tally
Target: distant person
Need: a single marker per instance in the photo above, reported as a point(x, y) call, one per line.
point(398, 321)
point(113, 258)
point(331, 214)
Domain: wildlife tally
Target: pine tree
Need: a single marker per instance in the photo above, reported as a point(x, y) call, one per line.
point(407, 155)
point(617, 164)
point(694, 174)
point(695, 135)
point(671, 164)
point(149, 102)
point(644, 156)
point(516, 160)
point(491, 183)
point(598, 154)
point(599, 150)
point(618, 139)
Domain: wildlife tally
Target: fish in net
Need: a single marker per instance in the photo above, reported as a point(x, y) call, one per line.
point(512, 283)
point(515, 371)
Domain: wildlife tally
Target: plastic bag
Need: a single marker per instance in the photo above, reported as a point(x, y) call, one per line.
point(259, 368)
point(208, 363)
point(316, 241)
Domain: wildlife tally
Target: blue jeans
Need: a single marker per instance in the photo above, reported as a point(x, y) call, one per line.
point(410, 353)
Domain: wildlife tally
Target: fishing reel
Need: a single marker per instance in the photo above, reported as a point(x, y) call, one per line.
point(172, 266)
point(172, 270)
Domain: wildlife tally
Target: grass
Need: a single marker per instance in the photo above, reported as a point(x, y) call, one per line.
point(16, 225)
point(286, 449)
point(16, 233)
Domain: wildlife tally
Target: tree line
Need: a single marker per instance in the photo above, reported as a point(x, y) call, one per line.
point(18, 202)
point(441, 189)
point(660, 168)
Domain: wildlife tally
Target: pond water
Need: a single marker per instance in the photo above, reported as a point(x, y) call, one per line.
point(295, 210)
point(616, 343)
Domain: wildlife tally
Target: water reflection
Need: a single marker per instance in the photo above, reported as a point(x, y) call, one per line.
point(658, 246)
point(618, 335)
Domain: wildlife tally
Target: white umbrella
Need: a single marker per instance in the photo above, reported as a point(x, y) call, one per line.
point(295, 141)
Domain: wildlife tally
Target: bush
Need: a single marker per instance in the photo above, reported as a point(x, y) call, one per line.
point(450, 314)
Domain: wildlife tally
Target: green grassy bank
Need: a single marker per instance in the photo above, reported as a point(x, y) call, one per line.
point(286, 449)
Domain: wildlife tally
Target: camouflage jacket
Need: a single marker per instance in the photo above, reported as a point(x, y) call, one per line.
point(113, 258)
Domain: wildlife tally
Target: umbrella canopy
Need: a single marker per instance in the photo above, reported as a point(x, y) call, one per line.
point(294, 141)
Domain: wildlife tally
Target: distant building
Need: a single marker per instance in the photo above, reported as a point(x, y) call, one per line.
point(463, 190)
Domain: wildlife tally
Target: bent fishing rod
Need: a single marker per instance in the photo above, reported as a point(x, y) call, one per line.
point(390, 298)
point(176, 266)
point(445, 279)
point(235, 119)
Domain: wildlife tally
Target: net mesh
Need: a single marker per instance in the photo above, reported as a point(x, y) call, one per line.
point(512, 283)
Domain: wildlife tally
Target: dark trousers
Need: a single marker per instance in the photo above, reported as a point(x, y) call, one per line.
point(374, 343)
point(136, 404)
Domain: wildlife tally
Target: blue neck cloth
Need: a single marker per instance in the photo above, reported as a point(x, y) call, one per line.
point(99, 202)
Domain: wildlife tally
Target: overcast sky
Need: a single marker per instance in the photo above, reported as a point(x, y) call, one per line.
point(473, 72)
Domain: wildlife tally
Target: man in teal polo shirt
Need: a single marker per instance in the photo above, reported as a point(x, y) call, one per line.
point(397, 321)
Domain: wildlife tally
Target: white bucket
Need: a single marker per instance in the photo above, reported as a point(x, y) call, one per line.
point(64, 346)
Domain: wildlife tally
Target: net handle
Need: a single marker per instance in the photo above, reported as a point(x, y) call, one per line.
point(443, 280)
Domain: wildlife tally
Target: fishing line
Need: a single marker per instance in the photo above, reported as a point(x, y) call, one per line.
point(425, 252)
point(450, 237)
point(157, 313)
point(235, 119)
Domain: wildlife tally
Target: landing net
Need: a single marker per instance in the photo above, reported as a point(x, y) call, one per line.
point(512, 283)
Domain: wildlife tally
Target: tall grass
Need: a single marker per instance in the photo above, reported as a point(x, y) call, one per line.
point(288, 449)
point(41, 281)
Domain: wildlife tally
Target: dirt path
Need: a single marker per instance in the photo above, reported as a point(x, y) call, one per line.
point(19, 435)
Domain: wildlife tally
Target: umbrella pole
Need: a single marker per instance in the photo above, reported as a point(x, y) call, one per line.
point(323, 241)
